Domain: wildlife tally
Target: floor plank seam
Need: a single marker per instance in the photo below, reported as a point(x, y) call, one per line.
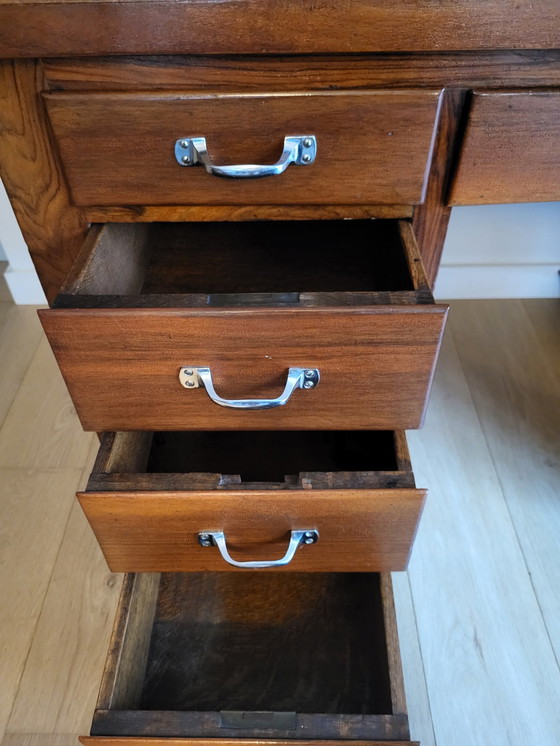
point(521, 549)
point(505, 501)
point(421, 659)
point(35, 626)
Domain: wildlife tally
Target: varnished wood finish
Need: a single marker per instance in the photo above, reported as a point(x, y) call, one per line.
point(213, 213)
point(54, 230)
point(431, 218)
point(372, 147)
point(526, 68)
point(139, 27)
point(271, 643)
point(345, 485)
point(360, 530)
point(511, 149)
point(376, 362)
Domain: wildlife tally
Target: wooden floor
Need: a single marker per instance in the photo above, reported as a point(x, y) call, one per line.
point(479, 609)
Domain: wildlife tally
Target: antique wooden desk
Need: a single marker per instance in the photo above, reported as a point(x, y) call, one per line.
point(169, 285)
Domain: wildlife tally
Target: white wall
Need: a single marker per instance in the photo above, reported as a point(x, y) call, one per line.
point(502, 251)
point(492, 251)
point(20, 276)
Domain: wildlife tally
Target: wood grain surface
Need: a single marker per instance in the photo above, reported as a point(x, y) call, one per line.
point(122, 365)
point(121, 362)
point(249, 74)
point(242, 213)
point(372, 147)
point(511, 149)
point(143, 27)
point(53, 229)
point(280, 627)
point(359, 530)
point(431, 218)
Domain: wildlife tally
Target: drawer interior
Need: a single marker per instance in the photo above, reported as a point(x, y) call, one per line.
point(284, 263)
point(273, 460)
point(253, 655)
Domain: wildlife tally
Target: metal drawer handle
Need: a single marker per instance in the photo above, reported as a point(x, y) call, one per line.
point(298, 378)
point(298, 149)
point(297, 538)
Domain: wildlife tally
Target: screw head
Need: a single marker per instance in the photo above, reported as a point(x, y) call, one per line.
point(306, 158)
point(190, 384)
point(184, 144)
point(309, 374)
point(308, 142)
point(188, 371)
point(308, 385)
point(186, 159)
point(309, 537)
point(204, 540)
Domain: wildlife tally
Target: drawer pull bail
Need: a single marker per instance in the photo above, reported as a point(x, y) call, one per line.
point(297, 538)
point(298, 149)
point(298, 378)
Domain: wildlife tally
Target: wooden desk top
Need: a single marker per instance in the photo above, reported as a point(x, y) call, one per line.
point(42, 28)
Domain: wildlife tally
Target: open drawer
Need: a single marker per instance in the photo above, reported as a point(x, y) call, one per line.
point(319, 501)
point(289, 325)
point(226, 656)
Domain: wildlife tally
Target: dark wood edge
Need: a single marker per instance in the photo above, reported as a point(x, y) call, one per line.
point(191, 482)
point(129, 646)
point(401, 451)
point(398, 697)
point(414, 260)
point(198, 300)
point(207, 724)
point(431, 218)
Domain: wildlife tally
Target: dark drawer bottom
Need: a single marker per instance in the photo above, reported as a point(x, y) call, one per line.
point(254, 655)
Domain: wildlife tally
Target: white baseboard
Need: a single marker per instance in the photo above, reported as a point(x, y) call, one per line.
point(25, 287)
point(463, 281)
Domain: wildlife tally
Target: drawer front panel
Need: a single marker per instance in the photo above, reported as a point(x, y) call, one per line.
point(122, 365)
point(372, 147)
point(511, 150)
point(359, 530)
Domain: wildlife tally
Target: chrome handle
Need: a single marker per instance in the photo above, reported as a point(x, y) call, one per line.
point(297, 538)
point(298, 149)
point(298, 378)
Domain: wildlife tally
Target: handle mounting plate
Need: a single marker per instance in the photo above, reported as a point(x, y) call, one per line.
point(191, 377)
point(300, 150)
